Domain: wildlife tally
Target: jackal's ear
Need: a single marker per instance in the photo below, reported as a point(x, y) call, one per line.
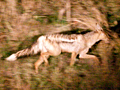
point(98, 27)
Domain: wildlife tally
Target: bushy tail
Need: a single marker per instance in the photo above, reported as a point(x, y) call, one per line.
point(34, 49)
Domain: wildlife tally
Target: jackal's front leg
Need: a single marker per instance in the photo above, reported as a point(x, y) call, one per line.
point(73, 56)
point(96, 60)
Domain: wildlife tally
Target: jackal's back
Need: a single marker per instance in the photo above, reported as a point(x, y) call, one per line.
point(68, 43)
point(64, 38)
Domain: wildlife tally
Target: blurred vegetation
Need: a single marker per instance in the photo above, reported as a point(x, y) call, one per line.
point(22, 21)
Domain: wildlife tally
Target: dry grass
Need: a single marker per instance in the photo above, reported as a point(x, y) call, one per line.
point(58, 75)
point(22, 20)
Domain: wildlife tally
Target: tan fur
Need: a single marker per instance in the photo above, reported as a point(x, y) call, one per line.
point(53, 45)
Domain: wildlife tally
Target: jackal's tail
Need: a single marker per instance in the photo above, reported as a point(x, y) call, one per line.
point(34, 49)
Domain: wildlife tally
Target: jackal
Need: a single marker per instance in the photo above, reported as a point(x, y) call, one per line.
point(53, 45)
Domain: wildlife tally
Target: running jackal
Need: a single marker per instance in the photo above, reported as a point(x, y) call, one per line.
point(53, 45)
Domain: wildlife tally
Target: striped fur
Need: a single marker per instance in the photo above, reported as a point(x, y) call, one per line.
point(34, 49)
point(53, 45)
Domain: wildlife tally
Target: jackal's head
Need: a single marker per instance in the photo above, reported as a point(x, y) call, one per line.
point(102, 35)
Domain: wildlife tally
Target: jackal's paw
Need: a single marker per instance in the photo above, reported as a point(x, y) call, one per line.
point(11, 57)
point(36, 71)
point(46, 64)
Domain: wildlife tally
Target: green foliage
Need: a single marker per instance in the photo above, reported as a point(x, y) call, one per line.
point(28, 42)
point(50, 19)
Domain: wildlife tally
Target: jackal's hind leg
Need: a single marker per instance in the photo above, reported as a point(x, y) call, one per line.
point(73, 56)
point(38, 63)
point(45, 57)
